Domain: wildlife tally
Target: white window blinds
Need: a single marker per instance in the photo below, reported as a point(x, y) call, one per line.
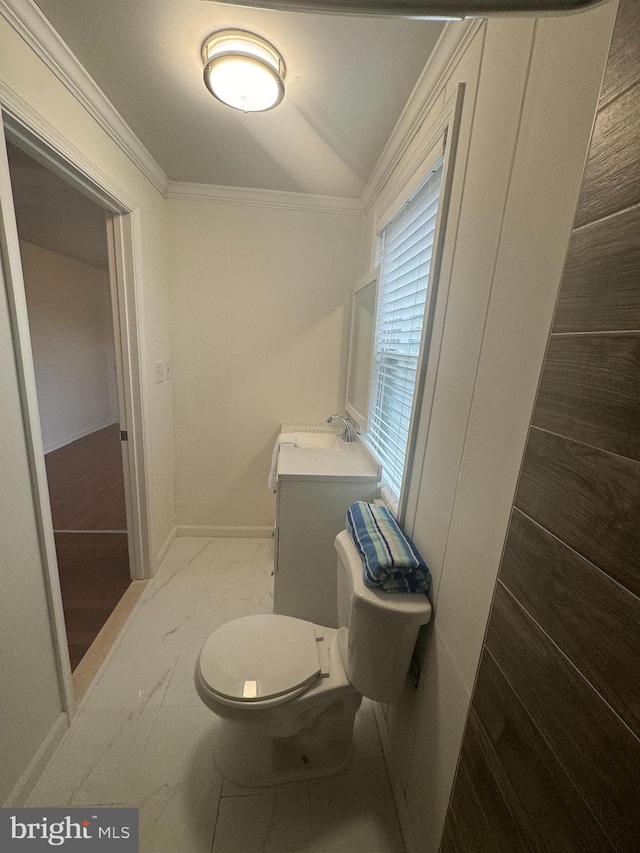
point(407, 247)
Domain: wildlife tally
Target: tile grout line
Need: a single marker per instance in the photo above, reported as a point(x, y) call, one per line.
point(600, 571)
point(136, 762)
point(602, 334)
point(585, 444)
point(582, 677)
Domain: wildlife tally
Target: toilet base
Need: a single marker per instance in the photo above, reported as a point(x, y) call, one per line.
point(251, 757)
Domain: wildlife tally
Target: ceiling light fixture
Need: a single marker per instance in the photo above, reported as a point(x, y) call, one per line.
point(243, 70)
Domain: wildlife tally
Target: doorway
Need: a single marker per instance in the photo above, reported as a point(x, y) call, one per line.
point(65, 267)
point(72, 298)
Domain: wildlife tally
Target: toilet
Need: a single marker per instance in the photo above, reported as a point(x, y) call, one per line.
point(286, 691)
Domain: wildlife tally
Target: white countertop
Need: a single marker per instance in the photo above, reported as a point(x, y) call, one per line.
point(346, 461)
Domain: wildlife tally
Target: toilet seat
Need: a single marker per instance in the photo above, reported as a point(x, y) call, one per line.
point(265, 659)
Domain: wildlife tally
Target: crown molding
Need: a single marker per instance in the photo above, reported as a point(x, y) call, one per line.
point(453, 41)
point(265, 198)
point(33, 26)
point(30, 131)
point(38, 32)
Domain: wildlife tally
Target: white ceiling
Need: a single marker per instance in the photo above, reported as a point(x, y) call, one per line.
point(348, 79)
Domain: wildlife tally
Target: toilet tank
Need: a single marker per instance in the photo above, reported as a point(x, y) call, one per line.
point(382, 628)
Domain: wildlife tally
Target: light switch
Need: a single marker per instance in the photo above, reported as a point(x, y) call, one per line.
point(160, 371)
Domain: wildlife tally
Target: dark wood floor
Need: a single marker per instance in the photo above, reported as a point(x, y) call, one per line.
point(86, 490)
point(86, 484)
point(94, 575)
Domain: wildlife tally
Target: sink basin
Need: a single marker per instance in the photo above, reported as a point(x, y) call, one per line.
point(316, 440)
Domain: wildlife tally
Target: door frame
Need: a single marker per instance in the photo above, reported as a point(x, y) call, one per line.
point(123, 236)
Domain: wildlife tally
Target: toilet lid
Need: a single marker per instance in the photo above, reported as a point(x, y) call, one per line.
point(258, 657)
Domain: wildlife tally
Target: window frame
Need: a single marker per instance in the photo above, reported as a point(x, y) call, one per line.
point(436, 149)
point(361, 419)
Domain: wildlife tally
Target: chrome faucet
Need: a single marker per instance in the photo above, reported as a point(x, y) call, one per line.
point(347, 432)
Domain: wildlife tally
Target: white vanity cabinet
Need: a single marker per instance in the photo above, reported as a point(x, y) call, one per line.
point(314, 489)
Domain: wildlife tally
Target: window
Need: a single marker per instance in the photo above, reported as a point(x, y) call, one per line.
point(406, 250)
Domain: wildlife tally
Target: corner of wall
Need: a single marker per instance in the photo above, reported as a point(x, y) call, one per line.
point(513, 200)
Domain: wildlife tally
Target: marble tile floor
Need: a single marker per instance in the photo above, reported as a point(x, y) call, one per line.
point(142, 737)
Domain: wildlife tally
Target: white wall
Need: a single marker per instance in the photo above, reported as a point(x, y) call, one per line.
point(531, 92)
point(27, 79)
point(259, 338)
point(31, 697)
point(69, 306)
point(30, 702)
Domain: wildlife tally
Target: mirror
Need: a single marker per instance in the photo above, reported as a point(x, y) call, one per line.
point(363, 321)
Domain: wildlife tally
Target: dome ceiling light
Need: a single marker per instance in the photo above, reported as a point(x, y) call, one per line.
point(243, 70)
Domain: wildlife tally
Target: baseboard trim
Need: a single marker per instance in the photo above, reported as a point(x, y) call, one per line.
point(394, 779)
point(27, 782)
point(56, 445)
point(226, 532)
point(166, 547)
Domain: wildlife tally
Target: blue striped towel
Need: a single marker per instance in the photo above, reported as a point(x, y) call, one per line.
point(390, 560)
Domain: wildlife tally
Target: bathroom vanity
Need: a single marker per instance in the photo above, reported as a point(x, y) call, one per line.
point(319, 476)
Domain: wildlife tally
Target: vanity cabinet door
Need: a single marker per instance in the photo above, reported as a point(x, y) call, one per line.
point(310, 516)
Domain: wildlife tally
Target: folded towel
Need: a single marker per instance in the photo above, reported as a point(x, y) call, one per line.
point(390, 560)
point(283, 438)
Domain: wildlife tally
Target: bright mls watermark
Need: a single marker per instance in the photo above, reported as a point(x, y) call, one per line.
point(80, 830)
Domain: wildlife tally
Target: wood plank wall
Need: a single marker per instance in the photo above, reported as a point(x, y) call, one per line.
point(551, 753)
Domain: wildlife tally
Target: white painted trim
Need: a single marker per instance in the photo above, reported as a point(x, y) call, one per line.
point(264, 198)
point(127, 254)
point(50, 148)
point(24, 125)
point(397, 193)
point(361, 418)
point(166, 547)
point(12, 272)
point(225, 532)
point(123, 239)
point(56, 445)
point(394, 779)
point(27, 129)
point(29, 779)
point(38, 32)
point(452, 43)
point(432, 330)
